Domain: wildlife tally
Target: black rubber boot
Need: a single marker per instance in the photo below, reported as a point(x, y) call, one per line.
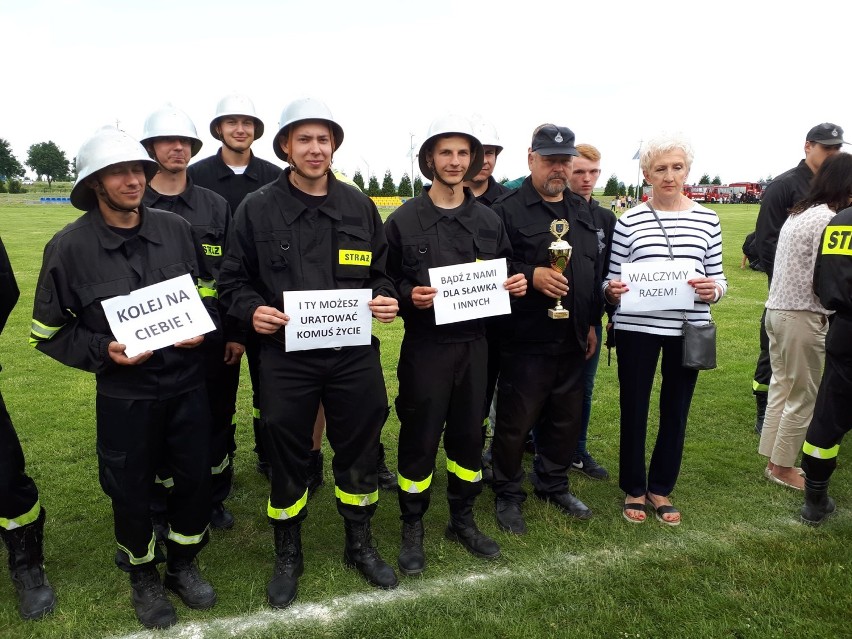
point(412, 559)
point(315, 479)
point(289, 565)
point(184, 579)
point(152, 605)
point(26, 567)
point(462, 528)
point(760, 400)
point(387, 479)
point(818, 505)
point(360, 552)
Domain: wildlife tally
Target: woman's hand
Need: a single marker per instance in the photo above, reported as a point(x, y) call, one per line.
point(706, 289)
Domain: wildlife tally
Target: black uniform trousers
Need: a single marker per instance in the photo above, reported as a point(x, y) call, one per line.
point(544, 389)
point(18, 492)
point(253, 359)
point(763, 368)
point(831, 420)
point(134, 435)
point(440, 383)
point(638, 354)
point(349, 383)
point(222, 381)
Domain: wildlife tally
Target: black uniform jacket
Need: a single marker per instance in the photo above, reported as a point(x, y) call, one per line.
point(833, 269)
point(276, 244)
point(210, 216)
point(494, 190)
point(9, 291)
point(422, 236)
point(86, 263)
point(782, 193)
point(527, 220)
point(212, 173)
point(605, 221)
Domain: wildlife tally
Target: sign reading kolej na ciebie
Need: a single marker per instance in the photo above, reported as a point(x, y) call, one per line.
point(658, 286)
point(470, 291)
point(157, 316)
point(327, 319)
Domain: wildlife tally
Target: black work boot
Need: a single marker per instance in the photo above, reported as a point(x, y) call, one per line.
point(184, 579)
point(26, 567)
point(412, 559)
point(387, 479)
point(760, 400)
point(462, 528)
point(289, 565)
point(314, 479)
point(509, 516)
point(152, 606)
point(360, 552)
point(818, 505)
point(220, 517)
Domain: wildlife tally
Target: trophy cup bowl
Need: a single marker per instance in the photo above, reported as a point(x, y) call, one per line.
point(559, 252)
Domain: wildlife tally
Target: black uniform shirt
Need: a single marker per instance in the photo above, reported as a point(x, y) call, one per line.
point(276, 244)
point(527, 219)
point(422, 236)
point(494, 190)
point(833, 269)
point(86, 263)
point(781, 194)
point(212, 173)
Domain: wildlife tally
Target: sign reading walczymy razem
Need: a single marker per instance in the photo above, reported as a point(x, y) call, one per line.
point(327, 319)
point(157, 316)
point(658, 286)
point(470, 291)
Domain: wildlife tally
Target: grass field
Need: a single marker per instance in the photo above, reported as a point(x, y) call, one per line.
point(739, 566)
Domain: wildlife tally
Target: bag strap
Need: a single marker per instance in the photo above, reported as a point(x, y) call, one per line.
point(669, 244)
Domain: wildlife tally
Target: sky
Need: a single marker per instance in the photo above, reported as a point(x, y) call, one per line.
point(742, 81)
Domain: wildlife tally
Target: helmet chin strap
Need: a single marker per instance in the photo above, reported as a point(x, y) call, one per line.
point(101, 191)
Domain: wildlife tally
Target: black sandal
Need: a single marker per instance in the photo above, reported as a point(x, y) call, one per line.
point(659, 511)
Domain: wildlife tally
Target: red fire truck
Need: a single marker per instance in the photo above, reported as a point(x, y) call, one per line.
point(747, 191)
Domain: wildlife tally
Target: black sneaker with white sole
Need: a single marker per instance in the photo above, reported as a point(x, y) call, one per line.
point(586, 464)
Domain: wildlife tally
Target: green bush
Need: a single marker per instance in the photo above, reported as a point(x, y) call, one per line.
point(15, 186)
point(3, 188)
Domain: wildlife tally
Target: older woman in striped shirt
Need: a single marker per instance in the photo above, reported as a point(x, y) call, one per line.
point(669, 225)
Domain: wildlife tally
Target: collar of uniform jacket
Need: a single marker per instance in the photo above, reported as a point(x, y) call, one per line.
point(429, 214)
point(224, 171)
point(112, 241)
point(188, 196)
point(569, 198)
point(292, 208)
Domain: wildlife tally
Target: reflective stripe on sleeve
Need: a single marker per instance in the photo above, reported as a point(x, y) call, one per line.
point(464, 474)
point(820, 453)
point(27, 518)
point(41, 332)
point(289, 512)
point(356, 500)
point(168, 482)
point(413, 487)
point(207, 288)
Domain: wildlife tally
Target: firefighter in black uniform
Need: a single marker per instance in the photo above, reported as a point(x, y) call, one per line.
point(779, 197)
point(170, 138)
point(234, 172)
point(298, 234)
point(541, 372)
point(21, 513)
point(442, 368)
point(148, 406)
point(833, 286)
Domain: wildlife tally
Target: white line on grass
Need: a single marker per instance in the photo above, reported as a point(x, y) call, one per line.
point(327, 614)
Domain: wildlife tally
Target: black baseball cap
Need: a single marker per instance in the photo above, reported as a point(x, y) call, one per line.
point(550, 139)
point(826, 133)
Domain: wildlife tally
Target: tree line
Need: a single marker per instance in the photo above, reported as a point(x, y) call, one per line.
point(389, 188)
point(45, 159)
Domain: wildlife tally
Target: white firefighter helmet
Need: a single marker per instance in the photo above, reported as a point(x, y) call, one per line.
point(445, 125)
point(170, 122)
point(235, 104)
point(106, 147)
point(486, 133)
point(301, 111)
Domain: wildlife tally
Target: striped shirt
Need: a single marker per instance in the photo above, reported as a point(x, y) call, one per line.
point(694, 233)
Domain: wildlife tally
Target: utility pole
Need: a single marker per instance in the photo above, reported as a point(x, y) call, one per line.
point(411, 155)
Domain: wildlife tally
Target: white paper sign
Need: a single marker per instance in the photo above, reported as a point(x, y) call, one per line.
point(658, 286)
point(470, 291)
point(157, 316)
point(327, 319)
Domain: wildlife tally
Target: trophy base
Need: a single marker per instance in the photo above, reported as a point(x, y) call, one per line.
point(560, 313)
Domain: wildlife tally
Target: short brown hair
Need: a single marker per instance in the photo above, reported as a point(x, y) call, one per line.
point(589, 152)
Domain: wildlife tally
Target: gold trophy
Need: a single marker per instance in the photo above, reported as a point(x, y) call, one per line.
point(559, 253)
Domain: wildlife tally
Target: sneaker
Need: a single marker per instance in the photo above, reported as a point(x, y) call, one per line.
point(586, 464)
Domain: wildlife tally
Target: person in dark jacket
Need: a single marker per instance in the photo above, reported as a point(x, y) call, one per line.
point(151, 405)
point(833, 286)
point(541, 373)
point(171, 140)
point(21, 513)
point(822, 141)
point(307, 231)
point(442, 368)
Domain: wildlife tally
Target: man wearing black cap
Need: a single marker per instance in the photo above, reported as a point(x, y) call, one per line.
point(541, 374)
point(822, 141)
